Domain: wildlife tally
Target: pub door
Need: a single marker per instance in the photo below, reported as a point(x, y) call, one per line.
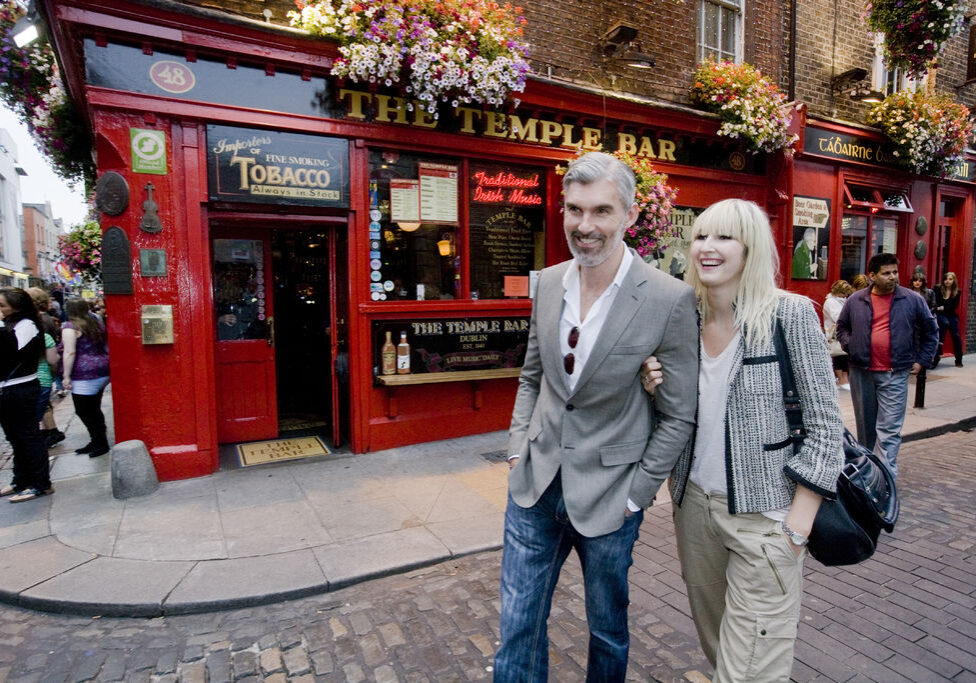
point(282, 366)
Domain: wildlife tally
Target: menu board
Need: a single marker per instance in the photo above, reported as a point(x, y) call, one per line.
point(405, 200)
point(438, 192)
point(507, 220)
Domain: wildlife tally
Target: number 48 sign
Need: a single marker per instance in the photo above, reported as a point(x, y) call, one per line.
point(172, 77)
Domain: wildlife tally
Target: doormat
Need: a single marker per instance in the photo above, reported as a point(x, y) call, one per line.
point(261, 452)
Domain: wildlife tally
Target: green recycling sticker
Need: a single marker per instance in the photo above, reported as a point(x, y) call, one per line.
point(148, 150)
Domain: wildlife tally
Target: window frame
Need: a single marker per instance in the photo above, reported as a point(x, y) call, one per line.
point(703, 50)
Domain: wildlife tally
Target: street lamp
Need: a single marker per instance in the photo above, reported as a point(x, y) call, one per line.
point(25, 30)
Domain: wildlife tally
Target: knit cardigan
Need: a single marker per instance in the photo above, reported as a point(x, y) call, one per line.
point(761, 468)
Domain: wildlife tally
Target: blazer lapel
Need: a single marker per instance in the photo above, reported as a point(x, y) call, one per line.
point(548, 317)
point(625, 306)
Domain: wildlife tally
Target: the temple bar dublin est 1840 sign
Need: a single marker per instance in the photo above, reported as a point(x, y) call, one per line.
point(272, 167)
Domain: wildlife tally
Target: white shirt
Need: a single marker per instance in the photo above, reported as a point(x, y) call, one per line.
point(708, 465)
point(595, 317)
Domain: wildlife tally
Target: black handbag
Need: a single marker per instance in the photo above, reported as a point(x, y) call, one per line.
point(845, 530)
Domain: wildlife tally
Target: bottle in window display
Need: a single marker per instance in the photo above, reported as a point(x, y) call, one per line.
point(403, 355)
point(389, 356)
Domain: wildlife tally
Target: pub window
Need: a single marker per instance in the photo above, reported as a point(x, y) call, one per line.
point(873, 199)
point(971, 57)
point(862, 236)
point(506, 229)
point(413, 230)
point(720, 29)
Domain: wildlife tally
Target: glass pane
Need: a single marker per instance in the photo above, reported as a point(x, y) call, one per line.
point(884, 235)
point(895, 200)
point(709, 29)
point(853, 259)
point(413, 227)
point(728, 33)
point(947, 208)
point(507, 228)
point(238, 270)
point(861, 194)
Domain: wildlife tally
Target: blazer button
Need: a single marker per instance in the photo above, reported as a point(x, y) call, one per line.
point(570, 407)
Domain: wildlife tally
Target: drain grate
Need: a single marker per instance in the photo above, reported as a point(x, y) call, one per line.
point(495, 456)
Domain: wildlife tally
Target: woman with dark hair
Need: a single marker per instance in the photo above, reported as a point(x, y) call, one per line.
point(947, 313)
point(21, 346)
point(48, 367)
point(86, 371)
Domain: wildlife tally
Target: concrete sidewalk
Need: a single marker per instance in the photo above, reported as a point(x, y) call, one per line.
point(247, 536)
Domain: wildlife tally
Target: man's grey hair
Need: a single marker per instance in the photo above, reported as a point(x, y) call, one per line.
point(595, 166)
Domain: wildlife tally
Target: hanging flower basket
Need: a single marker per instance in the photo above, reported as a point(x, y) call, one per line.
point(81, 250)
point(31, 88)
point(456, 51)
point(751, 108)
point(930, 131)
point(915, 30)
point(653, 231)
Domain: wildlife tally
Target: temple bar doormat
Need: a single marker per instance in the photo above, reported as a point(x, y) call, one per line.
point(261, 452)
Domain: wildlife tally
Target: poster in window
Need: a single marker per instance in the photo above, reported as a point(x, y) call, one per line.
point(673, 259)
point(811, 232)
point(404, 200)
point(438, 192)
point(507, 220)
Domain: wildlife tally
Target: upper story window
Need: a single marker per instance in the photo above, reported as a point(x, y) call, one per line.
point(888, 80)
point(720, 30)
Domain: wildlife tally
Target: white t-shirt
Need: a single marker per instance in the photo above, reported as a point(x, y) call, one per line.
point(708, 464)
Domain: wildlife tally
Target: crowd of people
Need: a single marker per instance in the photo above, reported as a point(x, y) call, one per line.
point(48, 349)
point(620, 391)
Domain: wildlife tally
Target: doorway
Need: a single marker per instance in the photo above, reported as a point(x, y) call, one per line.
point(281, 356)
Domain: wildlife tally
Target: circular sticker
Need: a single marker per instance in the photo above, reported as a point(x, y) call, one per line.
point(374, 244)
point(375, 276)
point(375, 264)
point(375, 296)
point(375, 215)
point(388, 285)
point(375, 224)
point(172, 76)
point(382, 297)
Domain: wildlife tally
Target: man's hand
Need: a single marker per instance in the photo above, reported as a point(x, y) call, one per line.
point(651, 375)
point(916, 368)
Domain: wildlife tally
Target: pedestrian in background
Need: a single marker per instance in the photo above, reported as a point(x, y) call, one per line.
point(48, 367)
point(21, 345)
point(888, 333)
point(839, 291)
point(860, 281)
point(947, 310)
point(86, 371)
point(744, 498)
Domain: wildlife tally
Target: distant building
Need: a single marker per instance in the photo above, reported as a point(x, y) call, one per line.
point(41, 232)
point(11, 222)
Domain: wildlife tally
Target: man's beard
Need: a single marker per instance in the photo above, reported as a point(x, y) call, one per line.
point(591, 259)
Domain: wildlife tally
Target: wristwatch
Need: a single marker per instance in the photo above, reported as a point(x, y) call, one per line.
point(795, 537)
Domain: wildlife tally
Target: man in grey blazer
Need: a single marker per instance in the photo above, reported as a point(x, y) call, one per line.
point(588, 448)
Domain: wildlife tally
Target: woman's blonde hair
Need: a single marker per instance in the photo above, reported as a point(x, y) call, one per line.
point(758, 293)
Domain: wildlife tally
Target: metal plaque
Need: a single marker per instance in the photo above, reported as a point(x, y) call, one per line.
point(116, 262)
point(921, 225)
point(157, 324)
point(152, 262)
point(111, 194)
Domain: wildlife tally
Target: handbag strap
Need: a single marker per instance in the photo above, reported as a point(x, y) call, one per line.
point(791, 399)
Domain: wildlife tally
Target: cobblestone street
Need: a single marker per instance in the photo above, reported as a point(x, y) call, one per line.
point(908, 614)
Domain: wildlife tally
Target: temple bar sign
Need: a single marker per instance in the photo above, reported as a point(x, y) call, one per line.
point(273, 167)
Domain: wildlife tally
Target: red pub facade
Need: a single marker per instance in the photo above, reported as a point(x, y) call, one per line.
point(272, 228)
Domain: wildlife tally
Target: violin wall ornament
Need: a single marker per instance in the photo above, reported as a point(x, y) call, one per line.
point(150, 218)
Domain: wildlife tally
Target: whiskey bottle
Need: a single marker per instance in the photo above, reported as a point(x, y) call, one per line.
point(403, 355)
point(389, 356)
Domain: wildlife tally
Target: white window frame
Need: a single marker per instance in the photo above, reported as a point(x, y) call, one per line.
point(729, 6)
point(882, 77)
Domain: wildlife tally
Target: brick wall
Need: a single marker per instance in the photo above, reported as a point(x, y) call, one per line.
point(564, 40)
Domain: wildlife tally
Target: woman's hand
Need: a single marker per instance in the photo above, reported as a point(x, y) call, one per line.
point(651, 375)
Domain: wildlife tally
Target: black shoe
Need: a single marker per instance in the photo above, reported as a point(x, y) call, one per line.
point(958, 363)
point(99, 450)
point(54, 437)
point(85, 449)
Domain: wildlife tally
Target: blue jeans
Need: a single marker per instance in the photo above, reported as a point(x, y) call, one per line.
point(880, 399)
point(537, 542)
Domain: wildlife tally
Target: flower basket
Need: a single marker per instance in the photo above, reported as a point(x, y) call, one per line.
point(751, 108)
point(653, 230)
point(81, 250)
point(456, 51)
point(31, 87)
point(915, 30)
point(929, 131)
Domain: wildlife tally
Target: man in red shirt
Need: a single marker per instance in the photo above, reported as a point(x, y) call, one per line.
point(888, 333)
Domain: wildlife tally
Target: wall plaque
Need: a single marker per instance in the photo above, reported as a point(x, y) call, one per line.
point(111, 194)
point(921, 225)
point(152, 262)
point(116, 262)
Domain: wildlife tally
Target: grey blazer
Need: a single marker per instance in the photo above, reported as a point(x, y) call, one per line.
point(608, 439)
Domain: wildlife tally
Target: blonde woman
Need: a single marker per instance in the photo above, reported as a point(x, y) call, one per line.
point(744, 499)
